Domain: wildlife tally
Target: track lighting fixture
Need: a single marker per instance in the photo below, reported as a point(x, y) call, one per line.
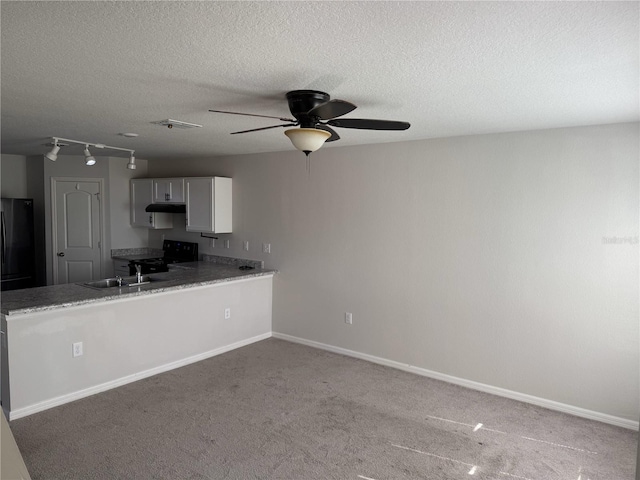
point(132, 162)
point(53, 154)
point(88, 158)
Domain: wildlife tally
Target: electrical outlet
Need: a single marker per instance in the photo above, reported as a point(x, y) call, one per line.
point(348, 318)
point(227, 313)
point(212, 242)
point(227, 244)
point(77, 349)
point(266, 248)
point(245, 246)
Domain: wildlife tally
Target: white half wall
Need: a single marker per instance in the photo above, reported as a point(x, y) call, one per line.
point(509, 260)
point(126, 340)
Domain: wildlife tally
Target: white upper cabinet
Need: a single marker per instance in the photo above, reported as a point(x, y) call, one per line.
point(208, 204)
point(168, 190)
point(141, 196)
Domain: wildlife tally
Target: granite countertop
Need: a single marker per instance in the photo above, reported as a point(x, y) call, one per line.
point(183, 275)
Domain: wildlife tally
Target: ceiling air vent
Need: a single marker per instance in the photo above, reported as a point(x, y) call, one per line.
point(176, 123)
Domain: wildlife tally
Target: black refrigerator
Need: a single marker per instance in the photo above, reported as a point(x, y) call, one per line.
point(17, 244)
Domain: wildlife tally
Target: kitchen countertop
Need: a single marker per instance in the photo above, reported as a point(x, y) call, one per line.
point(181, 276)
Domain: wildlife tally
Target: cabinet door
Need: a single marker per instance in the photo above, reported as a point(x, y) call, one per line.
point(208, 202)
point(199, 197)
point(141, 196)
point(168, 190)
point(222, 197)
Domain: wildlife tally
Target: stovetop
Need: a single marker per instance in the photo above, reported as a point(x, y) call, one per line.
point(151, 261)
point(174, 252)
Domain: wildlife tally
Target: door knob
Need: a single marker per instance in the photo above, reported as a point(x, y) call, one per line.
point(60, 254)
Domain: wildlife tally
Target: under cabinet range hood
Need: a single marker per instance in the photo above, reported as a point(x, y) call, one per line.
point(167, 208)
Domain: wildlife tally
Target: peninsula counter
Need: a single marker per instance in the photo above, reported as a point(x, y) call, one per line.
point(126, 333)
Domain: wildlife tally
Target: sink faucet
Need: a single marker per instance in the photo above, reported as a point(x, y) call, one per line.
point(119, 280)
point(138, 274)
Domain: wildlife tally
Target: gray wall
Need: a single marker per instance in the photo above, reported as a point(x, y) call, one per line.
point(31, 177)
point(35, 190)
point(13, 176)
point(118, 232)
point(122, 235)
point(73, 166)
point(491, 258)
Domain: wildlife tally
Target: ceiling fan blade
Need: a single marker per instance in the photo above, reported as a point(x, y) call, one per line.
point(334, 135)
point(331, 109)
point(254, 115)
point(265, 128)
point(366, 124)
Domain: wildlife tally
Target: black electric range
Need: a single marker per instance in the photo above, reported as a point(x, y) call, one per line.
point(174, 252)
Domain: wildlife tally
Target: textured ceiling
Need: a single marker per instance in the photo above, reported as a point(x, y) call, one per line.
point(91, 70)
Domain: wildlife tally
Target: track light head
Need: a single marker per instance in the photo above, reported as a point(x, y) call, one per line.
point(88, 158)
point(53, 154)
point(132, 162)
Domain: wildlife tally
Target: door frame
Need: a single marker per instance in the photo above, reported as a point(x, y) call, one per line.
point(54, 222)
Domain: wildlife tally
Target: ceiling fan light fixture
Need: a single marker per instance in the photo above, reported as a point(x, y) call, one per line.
point(307, 140)
point(316, 113)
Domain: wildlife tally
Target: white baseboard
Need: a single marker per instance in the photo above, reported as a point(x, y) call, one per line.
point(541, 402)
point(87, 392)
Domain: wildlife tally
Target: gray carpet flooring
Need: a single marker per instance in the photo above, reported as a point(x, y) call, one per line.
point(278, 410)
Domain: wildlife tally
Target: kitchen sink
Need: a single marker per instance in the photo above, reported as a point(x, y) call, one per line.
point(106, 283)
point(113, 282)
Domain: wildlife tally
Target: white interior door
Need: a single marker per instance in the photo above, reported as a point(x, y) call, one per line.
point(77, 231)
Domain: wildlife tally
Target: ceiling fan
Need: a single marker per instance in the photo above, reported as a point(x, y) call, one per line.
point(315, 113)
